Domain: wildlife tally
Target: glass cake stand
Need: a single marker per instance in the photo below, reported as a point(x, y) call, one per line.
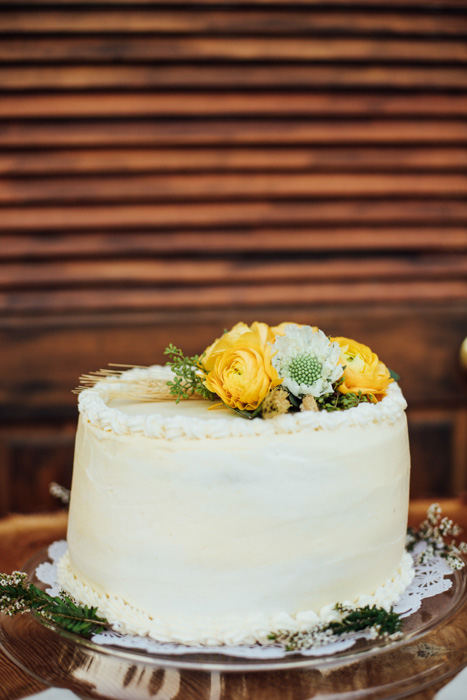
point(433, 648)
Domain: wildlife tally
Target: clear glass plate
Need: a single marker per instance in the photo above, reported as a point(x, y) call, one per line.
point(433, 647)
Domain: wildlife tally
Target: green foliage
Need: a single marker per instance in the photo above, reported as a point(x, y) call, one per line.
point(189, 377)
point(369, 617)
point(383, 624)
point(248, 414)
point(335, 401)
point(19, 596)
point(294, 400)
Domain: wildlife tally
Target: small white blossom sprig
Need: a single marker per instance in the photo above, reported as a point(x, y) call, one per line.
point(306, 361)
point(380, 623)
point(433, 531)
point(59, 492)
point(18, 596)
point(12, 599)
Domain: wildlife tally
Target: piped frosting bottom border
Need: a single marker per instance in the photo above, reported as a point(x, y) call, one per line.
point(231, 631)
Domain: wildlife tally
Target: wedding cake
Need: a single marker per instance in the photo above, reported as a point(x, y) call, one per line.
point(194, 522)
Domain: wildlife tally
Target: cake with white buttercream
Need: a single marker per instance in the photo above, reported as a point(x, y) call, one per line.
point(195, 525)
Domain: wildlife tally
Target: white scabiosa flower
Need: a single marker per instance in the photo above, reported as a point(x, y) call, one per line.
point(306, 360)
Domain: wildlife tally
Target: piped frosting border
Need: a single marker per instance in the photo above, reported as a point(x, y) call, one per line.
point(231, 630)
point(94, 408)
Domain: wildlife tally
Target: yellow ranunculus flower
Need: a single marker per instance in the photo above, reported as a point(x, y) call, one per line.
point(280, 329)
point(220, 345)
point(363, 371)
point(239, 368)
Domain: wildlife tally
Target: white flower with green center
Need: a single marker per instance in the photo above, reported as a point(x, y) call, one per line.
point(307, 361)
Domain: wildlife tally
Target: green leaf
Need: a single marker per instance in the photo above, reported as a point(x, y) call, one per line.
point(17, 596)
point(394, 375)
point(249, 415)
point(294, 400)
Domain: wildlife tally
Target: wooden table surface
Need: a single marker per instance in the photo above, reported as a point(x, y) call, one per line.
point(23, 535)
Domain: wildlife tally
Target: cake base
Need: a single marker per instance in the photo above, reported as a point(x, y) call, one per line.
point(432, 648)
point(230, 630)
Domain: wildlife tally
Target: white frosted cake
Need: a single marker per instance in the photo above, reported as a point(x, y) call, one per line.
point(198, 526)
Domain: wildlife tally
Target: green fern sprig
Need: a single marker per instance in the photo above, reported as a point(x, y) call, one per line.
point(384, 623)
point(378, 621)
point(188, 379)
point(18, 596)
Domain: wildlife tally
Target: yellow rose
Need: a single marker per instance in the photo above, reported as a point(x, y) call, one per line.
point(363, 370)
point(239, 367)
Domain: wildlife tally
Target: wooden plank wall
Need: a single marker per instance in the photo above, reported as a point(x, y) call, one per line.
point(167, 169)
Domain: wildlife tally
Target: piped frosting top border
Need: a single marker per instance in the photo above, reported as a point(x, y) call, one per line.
point(93, 407)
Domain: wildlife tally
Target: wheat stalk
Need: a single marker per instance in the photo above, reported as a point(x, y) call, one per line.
point(147, 389)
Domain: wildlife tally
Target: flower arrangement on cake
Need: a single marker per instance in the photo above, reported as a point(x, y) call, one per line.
point(265, 371)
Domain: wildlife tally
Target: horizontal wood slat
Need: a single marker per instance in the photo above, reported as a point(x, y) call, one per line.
point(183, 271)
point(239, 20)
point(162, 188)
point(340, 76)
point(425, 5)
point(220, 215)
point(169, 168)
point(313, 159)
point(212, 129)
point(224, 296)
point(141, 48)
point(232, 104)
point(257, 241)
point(257, 132)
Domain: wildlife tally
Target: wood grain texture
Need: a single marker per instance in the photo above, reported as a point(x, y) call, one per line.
point(207, 187)
point(423, 4)
point(166, 166)
point(21, 536)
point(237, 21)
point(221, 296)
point(258, 241)
point(433, 433)
point(222, 75)
point(185, 271)
point(221, 215)
point(352, 159)
point(274, 133)
point(241, 104)
point(140, 48)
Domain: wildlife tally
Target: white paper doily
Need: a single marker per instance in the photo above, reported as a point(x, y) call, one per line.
point(430, 580)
